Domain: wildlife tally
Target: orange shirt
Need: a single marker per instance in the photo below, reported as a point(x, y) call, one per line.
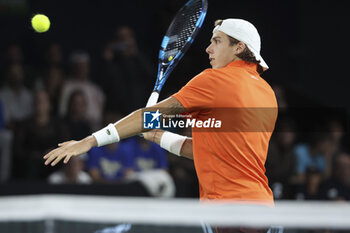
point(230, 161)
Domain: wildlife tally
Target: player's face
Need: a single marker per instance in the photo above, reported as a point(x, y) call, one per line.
point(221, 53)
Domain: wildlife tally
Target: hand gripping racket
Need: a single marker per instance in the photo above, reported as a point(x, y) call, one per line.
point(178, 38)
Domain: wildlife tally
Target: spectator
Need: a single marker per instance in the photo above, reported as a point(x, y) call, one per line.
point(149, 155)
point(71, 173)
point(53, 82)
point(152, 168)
point(54, 56)
point(114, 162)
point(12, 55)
point(337, 188)
point(126, 69)
point(336, 133)
point(16, 98)
point(80, 81)
point(6, 138)
point(37, 135)
point(111, 163)
point(280, 163)
point(76, 122)
point(313, 155)
point(309, 190)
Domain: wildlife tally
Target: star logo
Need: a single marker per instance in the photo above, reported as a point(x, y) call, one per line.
point(155, 115)
point(151, 120)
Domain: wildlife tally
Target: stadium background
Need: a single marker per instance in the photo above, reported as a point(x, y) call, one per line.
point(303, 42)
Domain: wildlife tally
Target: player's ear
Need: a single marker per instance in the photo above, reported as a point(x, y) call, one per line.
point(239, 48)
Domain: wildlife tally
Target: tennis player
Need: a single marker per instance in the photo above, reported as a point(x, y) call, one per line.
point(229, 165)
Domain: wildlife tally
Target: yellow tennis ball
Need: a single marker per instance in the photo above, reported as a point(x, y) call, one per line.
point(170, 58)
point(40, 23)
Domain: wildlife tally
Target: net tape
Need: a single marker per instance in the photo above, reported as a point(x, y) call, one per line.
point(181, 212)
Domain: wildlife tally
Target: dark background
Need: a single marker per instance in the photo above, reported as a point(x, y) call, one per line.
point(305, 43)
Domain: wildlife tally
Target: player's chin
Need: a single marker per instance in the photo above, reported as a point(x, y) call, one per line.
point(215, 66)
point(212, 64)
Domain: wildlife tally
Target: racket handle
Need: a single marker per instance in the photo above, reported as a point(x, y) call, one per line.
point(153, 99)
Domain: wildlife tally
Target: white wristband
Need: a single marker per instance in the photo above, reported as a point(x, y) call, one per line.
point(172, 142)
point(107, 135)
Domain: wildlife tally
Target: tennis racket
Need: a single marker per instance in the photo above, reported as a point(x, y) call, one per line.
point(178, 38)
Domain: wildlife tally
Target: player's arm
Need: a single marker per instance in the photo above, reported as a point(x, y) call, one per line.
point(128, 126)
point(179, 145)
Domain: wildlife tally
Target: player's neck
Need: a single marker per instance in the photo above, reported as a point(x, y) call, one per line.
point(236, 59)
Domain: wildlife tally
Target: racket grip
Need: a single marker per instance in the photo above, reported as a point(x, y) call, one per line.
point(153, 99)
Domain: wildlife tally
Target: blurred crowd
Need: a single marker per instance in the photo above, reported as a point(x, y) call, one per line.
point(61, 99)
point(312, 162)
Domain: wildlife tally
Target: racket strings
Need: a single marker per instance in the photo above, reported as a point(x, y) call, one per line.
point(183, 27)
point(178, 38)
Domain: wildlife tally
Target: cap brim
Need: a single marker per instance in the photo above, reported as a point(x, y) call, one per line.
point(259, 58)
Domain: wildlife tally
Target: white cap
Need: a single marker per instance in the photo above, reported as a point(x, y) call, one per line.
point(243, 31)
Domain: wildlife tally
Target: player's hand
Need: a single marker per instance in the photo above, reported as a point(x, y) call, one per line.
point(68, 149)
point(148, 135)
point(153, 135)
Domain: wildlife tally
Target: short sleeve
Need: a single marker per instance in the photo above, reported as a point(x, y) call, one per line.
point(198, 93)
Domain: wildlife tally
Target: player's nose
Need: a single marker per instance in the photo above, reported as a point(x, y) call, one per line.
point(209, 49)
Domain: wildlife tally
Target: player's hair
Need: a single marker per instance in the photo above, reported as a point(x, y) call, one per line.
point(246, 54)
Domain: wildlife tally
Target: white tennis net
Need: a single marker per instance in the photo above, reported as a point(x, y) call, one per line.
point(106, 211)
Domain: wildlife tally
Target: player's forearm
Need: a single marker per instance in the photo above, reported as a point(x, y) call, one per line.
point(187, 149)
point(126, 127)
point(132, 124)
point(114, 132)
